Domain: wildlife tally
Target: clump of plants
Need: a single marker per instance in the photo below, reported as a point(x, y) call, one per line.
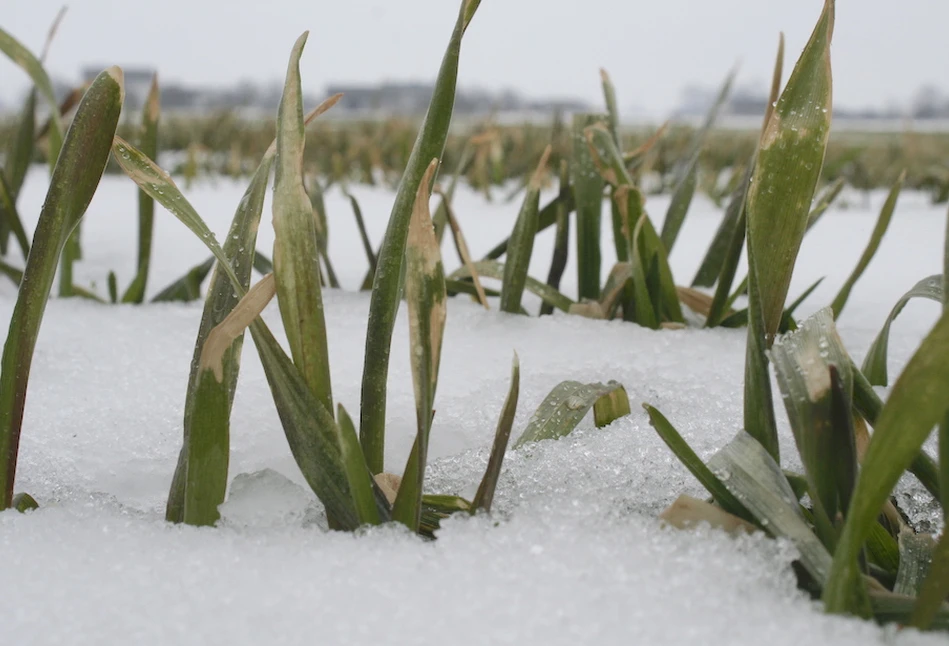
point(857, 552)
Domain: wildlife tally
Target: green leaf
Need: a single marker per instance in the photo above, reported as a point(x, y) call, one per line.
point(883, 222)
point(24, 502)
point(685, 181)
point(427, 308)
point(11, 218)
point(748, 471)
point(932, 595)
point(489, 482)
point(558, 262)
point(915, 557)
point(588, 194)
point(25, 59)
point(806, 362)
point(874, 364)
point(915, 406)
point(371, 504)
point(75, 178)
point(148, 144)
point(188, 287)
point(522, 242)
point(563, 408)
point(694, 464)
point(495, 270)
point(790, 158)
point(200, 481)
point(546, 218)
point(364, 236)
point(384, 301)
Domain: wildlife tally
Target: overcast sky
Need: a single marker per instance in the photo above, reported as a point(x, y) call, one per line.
point(883, 52)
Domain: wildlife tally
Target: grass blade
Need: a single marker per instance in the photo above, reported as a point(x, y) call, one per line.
point(546, 218)
point(11, 218)
point(874, 364)
point(148, 144)
point(935, 588)
point(364, 236)
point(370, 502)
point(558, 262)
point(563, 408)
point(588, 194)
point(461, 246)
point(522, 242)
point(296, 250)
point(883, 222)
point(200, 481)
point(384, 301)
point(752, 476)
point(25, 59)
point(426, 300)
point(916, 552)
point(694, 464)
point(495, 270)
point(489, 482)
point(909, 416)
point(73, 183)
point(188, 287)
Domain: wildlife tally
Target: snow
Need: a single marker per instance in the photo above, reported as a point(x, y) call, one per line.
point(573, 553)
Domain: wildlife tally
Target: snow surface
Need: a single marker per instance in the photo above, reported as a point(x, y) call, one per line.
point(573, 553)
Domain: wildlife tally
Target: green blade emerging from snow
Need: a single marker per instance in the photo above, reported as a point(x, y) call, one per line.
point(148, 144)
point(915, 406)
point(386, 287)
point(563, 408)
point(72, 185)
point(485, 495)
point(427, 307)
point(874, 364)
point(522, 242)
point(883, 223)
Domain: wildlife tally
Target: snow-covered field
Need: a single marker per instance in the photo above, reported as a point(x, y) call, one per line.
point(574, 553)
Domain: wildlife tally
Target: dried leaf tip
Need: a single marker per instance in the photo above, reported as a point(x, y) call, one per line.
point(538, 178)
point(324, 106)
point(243, 314)
point(604, 75)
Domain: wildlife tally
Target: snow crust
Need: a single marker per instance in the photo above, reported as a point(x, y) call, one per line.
point(573, 553)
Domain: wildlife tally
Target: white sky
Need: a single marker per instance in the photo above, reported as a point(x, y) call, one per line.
point(884, 50)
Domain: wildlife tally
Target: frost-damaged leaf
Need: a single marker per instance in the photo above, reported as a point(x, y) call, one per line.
point(72, 185)
point(461, 246)
point(588, 193)
point(916, 404)
point(220, 338)
point(874, 364)
point(495, 270)
point(384, 301)
point(790, 158)
point(148, 144)
point(751, 475)
point(426, 300)
point(489, 482)
point(688, 512)
point(200, 480)
point(694, 464)
point(610, 407)
point(188, 287)
point(522, 242)
point(563, 408)
point(805, 362)
point(296, 249)
point(883, 222)
point(25, 59)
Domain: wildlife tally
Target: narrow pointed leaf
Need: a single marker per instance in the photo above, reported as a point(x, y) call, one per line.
point(522, 243)
point(588, 193)
point(916, 405)
point(874, 364)
point(188, 287)
point(384, 301)
point(72, 185)
point(563, 408)
point(495, 270)
point(883, 222)
point(558, 262)
point(489, 482)
point(426, 299)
